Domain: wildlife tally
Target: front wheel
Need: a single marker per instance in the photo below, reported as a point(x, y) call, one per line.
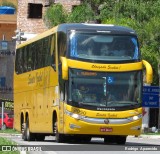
point(60, 138)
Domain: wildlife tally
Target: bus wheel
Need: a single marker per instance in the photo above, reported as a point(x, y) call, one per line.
point(23, 131)
point(29, 136)
point(58, 137)
point(121, 140)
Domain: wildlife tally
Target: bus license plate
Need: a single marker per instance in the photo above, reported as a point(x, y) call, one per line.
point(106, 129)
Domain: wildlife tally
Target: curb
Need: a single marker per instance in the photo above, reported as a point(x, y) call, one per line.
point(9, 135)
point(146, 136)
point(151, 136)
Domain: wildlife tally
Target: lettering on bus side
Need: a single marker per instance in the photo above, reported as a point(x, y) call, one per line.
point(106, 67)
point(31, 79)
point(35, 79)
point(39, 77)
point(78, 111)
point(113, 67)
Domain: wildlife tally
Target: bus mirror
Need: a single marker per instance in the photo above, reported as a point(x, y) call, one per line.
point(149, 72)
point(64, 68)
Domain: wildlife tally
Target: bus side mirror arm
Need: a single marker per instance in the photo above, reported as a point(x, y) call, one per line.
point(149, 72)
point(54, 67)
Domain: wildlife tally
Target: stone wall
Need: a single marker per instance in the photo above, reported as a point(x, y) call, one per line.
point(29, 25)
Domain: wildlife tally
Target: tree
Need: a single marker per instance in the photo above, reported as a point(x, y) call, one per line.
point(81, 13)
point(55, 15)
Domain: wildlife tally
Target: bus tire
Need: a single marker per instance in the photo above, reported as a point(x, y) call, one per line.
point(60, 138)
point(121, 140)
point(29, 136)
point(23, 131)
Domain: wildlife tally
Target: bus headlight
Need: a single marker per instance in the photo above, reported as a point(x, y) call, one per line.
point(74, 115)
point(134, 118)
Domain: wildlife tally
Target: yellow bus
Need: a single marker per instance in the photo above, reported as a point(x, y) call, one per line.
point(78, 81)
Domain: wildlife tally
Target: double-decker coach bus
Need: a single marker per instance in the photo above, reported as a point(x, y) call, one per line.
point(78, 81)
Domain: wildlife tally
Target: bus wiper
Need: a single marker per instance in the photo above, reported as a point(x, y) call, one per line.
point(121, 103)
point(87, 104)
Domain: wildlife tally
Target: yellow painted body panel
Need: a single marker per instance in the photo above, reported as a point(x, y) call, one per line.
point(35, 94)
point(94, 129)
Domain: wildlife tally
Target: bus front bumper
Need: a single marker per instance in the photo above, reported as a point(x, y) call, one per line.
point(94, 126)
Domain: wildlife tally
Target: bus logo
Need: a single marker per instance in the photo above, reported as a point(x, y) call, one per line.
point(106, 121)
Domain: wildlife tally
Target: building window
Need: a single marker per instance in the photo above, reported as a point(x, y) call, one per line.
point(2, 81)
point(34, 10)
point(4, 45)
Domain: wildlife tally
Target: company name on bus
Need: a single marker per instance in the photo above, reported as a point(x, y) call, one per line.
point(34, 79)
point(106, 67)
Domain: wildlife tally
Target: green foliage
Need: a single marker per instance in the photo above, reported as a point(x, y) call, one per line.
point(4, 141)
point(55, 15)
point(143, 16)
point(6, 3)
point(81, 13)
point(9, 131)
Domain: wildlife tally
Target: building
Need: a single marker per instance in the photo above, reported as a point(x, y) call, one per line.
point(30, 14)
point(8, 25)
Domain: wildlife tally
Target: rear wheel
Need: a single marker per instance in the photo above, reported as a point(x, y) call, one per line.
point(28, 135)
point(23, 131)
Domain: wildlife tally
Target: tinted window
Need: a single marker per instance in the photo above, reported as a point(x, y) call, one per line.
point(103, 47)
point(34, 56)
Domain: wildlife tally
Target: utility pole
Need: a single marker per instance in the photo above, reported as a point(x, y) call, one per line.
point(2, 115)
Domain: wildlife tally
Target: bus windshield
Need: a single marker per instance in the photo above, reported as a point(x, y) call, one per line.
point(103, 47)
point(101, 89)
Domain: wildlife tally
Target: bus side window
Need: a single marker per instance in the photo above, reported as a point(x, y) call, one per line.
point(18, 63)
point(62, 45)
point(29, 68)
point(25, 63)
point(53, 51)
point(39, 50)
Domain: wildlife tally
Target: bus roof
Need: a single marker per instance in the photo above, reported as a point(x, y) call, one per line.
point(112, 29)
point(97, 27)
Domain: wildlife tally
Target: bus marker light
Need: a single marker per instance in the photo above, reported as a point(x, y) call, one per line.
point(72, 126)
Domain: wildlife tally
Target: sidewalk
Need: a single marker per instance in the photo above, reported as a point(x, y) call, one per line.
point(147, 136)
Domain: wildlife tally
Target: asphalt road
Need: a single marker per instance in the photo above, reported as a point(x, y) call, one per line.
point(142, 144)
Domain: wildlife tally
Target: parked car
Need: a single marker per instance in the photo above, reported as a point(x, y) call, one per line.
point(7, 120)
